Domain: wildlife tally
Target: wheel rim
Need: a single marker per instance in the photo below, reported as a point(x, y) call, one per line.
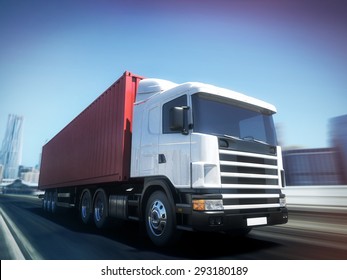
point(85, 209)
point(49, 202)
point(99, 209)
point(157, 218)
point(44, 202)
point(53, 202)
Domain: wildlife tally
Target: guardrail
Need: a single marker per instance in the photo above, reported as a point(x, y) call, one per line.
point(329, 196)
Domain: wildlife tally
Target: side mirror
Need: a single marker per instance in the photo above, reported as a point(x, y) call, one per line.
point(178, 119)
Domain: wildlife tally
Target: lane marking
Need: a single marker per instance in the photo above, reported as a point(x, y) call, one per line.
point(22, 243)
point(11, 245)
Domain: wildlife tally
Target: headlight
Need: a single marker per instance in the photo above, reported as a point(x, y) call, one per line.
point(283, 202)
point(207, 205)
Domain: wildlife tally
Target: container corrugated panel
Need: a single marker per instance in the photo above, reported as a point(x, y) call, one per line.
point(95, 147)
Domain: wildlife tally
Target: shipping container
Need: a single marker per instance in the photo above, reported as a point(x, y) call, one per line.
point(95, 146)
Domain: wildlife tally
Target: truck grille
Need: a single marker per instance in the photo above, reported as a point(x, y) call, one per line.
point(249, 181)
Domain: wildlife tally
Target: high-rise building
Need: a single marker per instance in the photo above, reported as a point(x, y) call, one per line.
point(338, 138)
point(11, 149)
point(1, 171)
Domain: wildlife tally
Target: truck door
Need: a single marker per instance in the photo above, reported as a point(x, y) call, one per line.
point(174, 147)
point(148, 163)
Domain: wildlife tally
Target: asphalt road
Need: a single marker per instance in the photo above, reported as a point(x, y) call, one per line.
point(28, 233)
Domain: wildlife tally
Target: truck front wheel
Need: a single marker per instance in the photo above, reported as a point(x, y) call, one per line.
point(160, 220)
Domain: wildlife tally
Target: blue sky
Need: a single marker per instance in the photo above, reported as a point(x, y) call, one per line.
point(56, 57)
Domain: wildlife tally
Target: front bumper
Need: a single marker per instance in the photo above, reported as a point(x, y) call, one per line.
point(228, 221)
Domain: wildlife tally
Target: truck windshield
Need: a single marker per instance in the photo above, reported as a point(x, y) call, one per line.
point(221, 117)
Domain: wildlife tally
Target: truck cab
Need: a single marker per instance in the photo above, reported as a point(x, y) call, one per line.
point(216, 153)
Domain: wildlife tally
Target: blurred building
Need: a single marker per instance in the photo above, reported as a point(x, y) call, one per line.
point(312, 167)
point(18, 187)
point(28, 174)
point(1, 172)
point(11, 149)
point(324, 166)
point(338, 134)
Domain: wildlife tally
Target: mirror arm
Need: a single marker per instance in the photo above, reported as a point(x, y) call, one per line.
point(185, 130)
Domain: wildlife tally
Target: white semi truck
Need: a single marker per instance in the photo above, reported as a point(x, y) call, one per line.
point(176, 157)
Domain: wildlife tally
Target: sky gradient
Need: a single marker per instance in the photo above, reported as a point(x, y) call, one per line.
point(56, 57)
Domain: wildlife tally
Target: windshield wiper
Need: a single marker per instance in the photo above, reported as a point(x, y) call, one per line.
point(231, 137)
point(246, 138)
point(251, 138)
point(227, 136)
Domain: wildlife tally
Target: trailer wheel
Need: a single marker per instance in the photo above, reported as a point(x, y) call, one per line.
point(44, 202)
point(160, 219)
point(54, 200)
point(49, 202)
point(86, 207)
point(100, 209)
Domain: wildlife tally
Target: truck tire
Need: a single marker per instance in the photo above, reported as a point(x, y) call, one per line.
point(100, 209)
point(49, 202)
point(86, 207)
point(54, 201)
point(44, 202)
point(160, 220)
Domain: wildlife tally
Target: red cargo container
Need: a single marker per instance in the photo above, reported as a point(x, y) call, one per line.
point(95, 146)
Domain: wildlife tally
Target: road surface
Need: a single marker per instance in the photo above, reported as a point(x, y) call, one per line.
point(28, 233)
